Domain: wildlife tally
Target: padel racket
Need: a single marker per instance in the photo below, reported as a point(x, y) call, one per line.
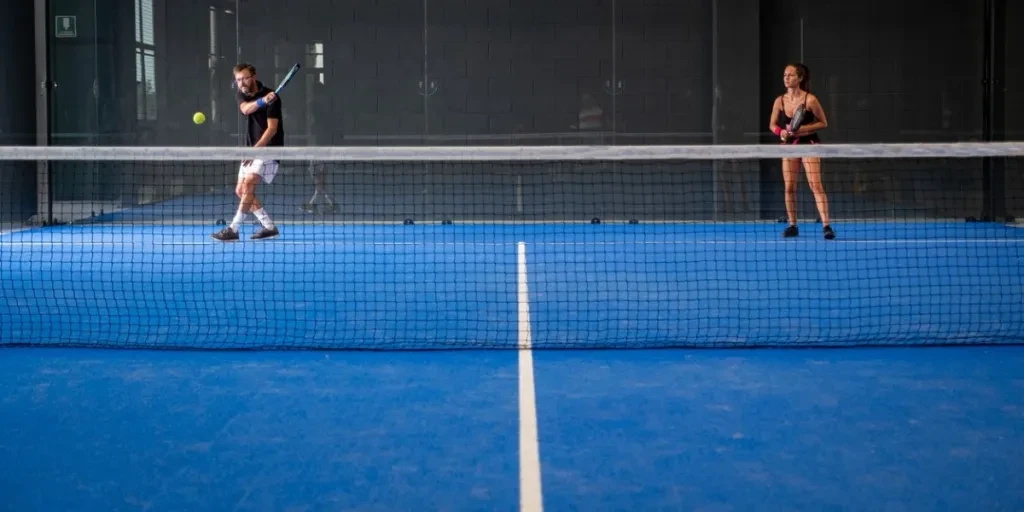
point(794, 123)
point(287, 78)
point(798, 117)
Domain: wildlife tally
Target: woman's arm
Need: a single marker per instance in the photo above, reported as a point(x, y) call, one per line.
point(773, 122)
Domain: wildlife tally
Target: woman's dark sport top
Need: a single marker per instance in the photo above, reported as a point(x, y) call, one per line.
point(808, 119)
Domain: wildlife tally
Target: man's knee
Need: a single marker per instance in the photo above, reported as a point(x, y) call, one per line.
point(247, 185)
point(251, 181)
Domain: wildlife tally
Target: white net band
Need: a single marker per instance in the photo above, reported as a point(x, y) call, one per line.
point(514, 153)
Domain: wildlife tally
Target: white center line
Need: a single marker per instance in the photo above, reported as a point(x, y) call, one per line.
point(530, 497)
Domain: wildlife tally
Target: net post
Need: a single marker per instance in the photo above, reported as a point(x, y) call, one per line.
point(44, 203)
point(994, 104)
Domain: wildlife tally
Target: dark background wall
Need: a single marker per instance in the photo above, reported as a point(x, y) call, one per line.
point(463, 68)
point(885, 71)
point(500, 67)
point(394, 71)
point(1014, 48)
point(17, 121)
point(520, 72)
point(1014, 88)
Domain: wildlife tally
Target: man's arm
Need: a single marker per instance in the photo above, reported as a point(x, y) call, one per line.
point(248, 107)
point(268, 133)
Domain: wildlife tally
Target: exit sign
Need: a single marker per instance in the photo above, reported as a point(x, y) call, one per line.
point(67, 26)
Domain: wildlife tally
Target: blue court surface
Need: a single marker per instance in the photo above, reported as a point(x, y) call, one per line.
point(783, 429)
point(679, 419)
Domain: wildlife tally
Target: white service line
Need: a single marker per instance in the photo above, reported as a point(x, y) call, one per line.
point(530, 497)
point(921, 241)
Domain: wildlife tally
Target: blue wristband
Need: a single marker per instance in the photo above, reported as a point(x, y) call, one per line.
point(260, 103)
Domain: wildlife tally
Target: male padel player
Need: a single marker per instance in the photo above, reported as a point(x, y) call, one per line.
point(262, 110)
point(797, 80)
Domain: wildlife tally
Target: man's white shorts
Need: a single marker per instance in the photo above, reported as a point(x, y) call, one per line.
point(266, 169)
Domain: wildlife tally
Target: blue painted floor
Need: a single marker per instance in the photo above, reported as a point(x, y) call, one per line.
point(790, 428)
point(118, 430)
point(848, 429)
point(767, 429)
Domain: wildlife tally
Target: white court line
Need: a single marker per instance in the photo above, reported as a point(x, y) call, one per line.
point(14, 230)
point(780, 242)
point(530, 499)
point(355, 223)
point(923, 241)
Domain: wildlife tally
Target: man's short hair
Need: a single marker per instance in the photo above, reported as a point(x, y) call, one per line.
point(245, 66)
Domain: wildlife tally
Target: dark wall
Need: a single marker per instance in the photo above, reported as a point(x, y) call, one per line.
point(736, 119)
point(1014, 51)
point(196, 74)
point(17, 65)
point(527, 72)
point(884, 71)
point(460, 68)
point(17, 124)
point(500, 67)
point(1014, 90)
point(94, 100)
point(396, 71)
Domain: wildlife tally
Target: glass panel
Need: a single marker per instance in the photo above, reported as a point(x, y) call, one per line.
point(1013, 46)
point(76, 54)
point(662, 91)
point(149, 85)
point(487, 71)
point(146, 17)
point(364, 61)
point(522, 73)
